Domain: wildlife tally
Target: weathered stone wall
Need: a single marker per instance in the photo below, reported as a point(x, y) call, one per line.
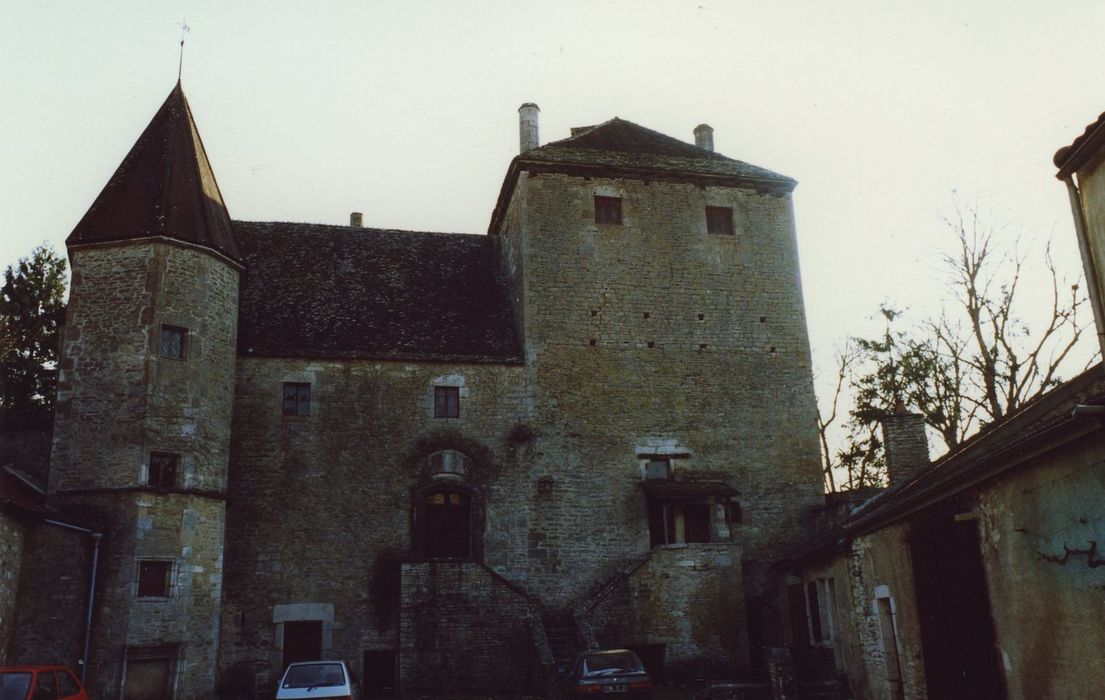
point(11, 560)
point(321, 508)
point(688, 598)
point(118, 400)
point(462, 628)
point(1043, 532)
point(52, 599)
point(876, 565)
point(655, 330)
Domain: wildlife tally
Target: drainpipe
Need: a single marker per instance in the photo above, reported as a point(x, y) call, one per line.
point(1088, 266)
point(97, 537)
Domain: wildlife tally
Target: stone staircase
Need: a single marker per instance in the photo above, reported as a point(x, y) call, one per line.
point(560, 630)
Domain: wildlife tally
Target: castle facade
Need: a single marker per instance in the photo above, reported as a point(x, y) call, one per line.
point(449, 460)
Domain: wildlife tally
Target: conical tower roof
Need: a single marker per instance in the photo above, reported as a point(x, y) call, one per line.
point(164, 187)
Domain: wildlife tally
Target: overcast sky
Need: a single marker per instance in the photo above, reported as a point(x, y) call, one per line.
point(408, 112)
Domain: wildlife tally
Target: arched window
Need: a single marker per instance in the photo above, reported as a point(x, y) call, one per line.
point(447, 524)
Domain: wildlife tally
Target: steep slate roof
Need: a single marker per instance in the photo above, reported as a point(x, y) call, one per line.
point(621, 144)
point(1035, 428)
point(620, 148)
point(1070, 158)
point(164, 187)
point(333, 291)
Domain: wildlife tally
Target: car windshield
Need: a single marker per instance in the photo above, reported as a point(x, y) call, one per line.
point(14, 685)
point(605, 664)
point(313, 675)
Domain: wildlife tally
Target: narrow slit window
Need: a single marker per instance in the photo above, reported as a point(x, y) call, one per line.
point(719, 220)
point(446, 402)
point(608, 210)
point(173, 342)
point(297, 399)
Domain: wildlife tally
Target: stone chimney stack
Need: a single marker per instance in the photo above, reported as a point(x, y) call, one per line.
point(527, 127)
point(907, 447)
point(356, 219)
point(704, 136)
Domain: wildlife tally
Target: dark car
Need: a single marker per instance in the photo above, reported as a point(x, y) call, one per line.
point(617, 671)
point(34, 682)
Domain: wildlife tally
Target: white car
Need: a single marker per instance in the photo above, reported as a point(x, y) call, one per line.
point(316, 679)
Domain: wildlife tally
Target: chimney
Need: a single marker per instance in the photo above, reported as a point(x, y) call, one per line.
point(527, 127)
point(704, 136)
point(907, 447)
point(355, 219)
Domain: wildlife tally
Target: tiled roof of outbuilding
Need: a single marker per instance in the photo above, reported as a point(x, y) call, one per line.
point(1070, 158)
point(164, 187)
point(311, 290)
point(622, 144)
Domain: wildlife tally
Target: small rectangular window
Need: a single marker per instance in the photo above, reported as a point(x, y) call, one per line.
point(658, 469)
point(163, 469)
point(608, 210)
point(446, 402)
point(153, 578)
point(719, 220)
point(173, 342)
point(696, 523)
point(297, 399)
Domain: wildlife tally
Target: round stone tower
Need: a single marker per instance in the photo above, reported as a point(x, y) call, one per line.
point(145, 392)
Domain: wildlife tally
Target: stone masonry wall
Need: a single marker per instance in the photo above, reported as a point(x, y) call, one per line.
point(686, 597)
point(1042, 530)
point(52, 600)
point(118, 400)
point(321, 508)
point(11, 559)
point(654, 331)
point(462, 629)
point(876, 565)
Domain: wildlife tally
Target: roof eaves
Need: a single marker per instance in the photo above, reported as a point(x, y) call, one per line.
point(1070, 158)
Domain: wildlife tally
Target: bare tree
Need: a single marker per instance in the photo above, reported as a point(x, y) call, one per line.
point(974, 363)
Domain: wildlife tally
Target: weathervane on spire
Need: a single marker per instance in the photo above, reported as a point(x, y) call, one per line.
point(184, 29)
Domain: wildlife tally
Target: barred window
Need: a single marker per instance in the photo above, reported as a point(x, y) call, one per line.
point(297, 399)
point(608, 210)
point(173, 342)
point(446, 402)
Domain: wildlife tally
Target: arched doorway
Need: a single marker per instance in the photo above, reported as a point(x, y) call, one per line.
point(447, 524)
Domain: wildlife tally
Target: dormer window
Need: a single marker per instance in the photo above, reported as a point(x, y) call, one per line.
point(608, 210)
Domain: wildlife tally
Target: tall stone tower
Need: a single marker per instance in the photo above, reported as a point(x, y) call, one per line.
point(660, 305)
point(144, 405)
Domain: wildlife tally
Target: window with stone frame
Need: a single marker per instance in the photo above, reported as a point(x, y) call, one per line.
point(153, 578)
point(608, 210)
point(297, 399)
point(174, 342)
point(163, 470)
point(719, 220)
point(446, 402)
point(448, 525)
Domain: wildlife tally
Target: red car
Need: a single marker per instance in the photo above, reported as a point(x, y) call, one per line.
point(40, 683)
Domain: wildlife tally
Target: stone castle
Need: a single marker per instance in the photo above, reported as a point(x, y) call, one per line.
point(449, 460)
